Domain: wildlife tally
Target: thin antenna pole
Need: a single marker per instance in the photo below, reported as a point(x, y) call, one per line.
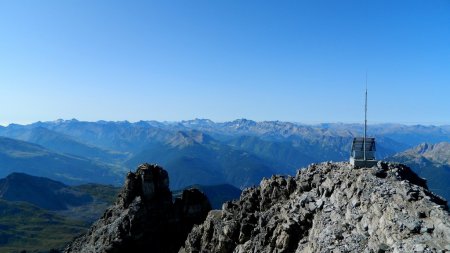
point(365, 122)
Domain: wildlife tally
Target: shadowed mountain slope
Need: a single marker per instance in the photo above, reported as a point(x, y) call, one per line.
point(62, 143)
point(20, 156)
point(41, 192)
point(196, 158)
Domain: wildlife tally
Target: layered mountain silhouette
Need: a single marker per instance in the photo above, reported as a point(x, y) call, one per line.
point(20, 156)
point(238, 152)
point(62, 143)
point(231, 155)
point(196, 158)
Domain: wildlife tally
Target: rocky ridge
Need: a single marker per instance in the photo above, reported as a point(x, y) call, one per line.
point(330, 207)
point(144, 217)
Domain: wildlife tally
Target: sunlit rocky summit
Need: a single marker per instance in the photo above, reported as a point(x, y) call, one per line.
point(330, 207)
point(327, 207)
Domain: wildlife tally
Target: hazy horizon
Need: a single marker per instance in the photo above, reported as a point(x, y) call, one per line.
point(5, 124)
point(301, 61)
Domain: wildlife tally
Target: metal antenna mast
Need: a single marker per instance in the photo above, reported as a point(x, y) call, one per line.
point(365, 122)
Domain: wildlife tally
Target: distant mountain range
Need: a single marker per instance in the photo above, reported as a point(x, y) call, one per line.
point(62, 143)
point(193, 157)
point(84, 162)
point(198, 151)
point(26, 157)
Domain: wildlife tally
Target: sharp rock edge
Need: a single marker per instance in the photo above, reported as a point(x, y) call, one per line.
point(329, 207)
point(144, 218)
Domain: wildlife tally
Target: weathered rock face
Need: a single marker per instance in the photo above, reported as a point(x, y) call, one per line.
point(144, 217)
point(330, 207)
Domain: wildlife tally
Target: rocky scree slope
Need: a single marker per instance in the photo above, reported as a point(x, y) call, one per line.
point(330, 207)
point(144, 218)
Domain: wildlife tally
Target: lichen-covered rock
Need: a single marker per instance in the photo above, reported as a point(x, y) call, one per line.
point(144, 217)
point(330, 207)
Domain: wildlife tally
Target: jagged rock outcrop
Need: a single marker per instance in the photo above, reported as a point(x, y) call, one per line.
point(144, 217)
point(330, 207)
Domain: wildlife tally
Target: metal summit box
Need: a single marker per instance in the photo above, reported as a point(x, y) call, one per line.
point(363, 152)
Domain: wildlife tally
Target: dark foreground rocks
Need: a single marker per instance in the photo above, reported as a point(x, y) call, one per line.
point(330, 207)
point(144, 217)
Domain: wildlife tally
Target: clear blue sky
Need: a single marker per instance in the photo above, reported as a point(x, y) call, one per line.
point(302, 61)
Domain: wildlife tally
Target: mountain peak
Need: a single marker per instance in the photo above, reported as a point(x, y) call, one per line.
point(198, 122)
point(144, 218)
point(325, 207)
point(427, 147)
point(330, 207)
point(422, 148)
point(61, 121)
point(241, 124)
point(188, 138)
point(243, 121)
point(439, 152)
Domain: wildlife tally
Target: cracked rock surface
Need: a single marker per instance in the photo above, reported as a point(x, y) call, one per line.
point(330, 207)
point(144, 217)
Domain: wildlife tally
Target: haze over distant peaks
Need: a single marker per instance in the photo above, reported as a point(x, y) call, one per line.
point(205, 148)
